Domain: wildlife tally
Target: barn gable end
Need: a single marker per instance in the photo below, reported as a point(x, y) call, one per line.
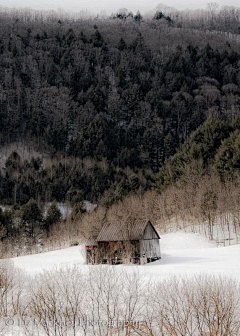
point(150, 232)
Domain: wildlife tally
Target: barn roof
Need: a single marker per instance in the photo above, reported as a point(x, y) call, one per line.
point(91, 241)
point(119, 231)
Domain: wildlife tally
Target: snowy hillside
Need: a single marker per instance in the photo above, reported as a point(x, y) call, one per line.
point(181, 254)
point(35, 263)
point(189, 254)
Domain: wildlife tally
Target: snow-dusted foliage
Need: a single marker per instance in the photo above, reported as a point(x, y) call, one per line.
point(110, 301)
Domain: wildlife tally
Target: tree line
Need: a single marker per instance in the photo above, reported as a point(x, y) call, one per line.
point(110, 92)
point(115, 107)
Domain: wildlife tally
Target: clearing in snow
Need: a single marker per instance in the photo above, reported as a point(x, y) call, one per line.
point(182, 254)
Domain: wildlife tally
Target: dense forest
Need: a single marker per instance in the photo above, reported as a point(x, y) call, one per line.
point(102, 108)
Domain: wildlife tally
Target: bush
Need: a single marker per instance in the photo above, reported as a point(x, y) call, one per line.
point(74, 243)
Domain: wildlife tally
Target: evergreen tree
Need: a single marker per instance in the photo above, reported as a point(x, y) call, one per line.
point(77, 211)
point(227, 159)
point(138, 17)
point(31, 214)
point(122, 45)
point(53, 215)
point(97, 39)
point(158, 16)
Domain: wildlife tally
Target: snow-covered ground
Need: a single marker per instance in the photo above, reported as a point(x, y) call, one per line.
point(182, 254)
point(189, 254)
point(36, 263)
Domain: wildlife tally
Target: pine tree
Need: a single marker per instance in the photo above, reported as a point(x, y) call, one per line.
point(227, 159)
point(53, 215)
point(158, 16)
point(122, 45)
point(31, 214)
point(97, 39)
point(138, 17)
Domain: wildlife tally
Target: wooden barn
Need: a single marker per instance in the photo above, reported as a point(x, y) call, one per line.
point(122, 243)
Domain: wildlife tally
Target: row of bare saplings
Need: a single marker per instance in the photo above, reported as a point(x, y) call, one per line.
point(106, 301)
point(197, 203)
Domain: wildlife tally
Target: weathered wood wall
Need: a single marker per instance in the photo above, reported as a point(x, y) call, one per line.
point(150, 248)
point(111, 252)
point(149, 245)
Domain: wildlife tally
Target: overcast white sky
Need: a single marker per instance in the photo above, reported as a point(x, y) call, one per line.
point(96, 6)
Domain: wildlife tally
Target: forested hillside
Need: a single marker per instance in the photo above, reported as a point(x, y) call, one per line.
point(115, 106)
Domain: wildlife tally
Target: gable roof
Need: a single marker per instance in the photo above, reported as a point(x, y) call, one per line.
point(91, 241)
point(119, 231)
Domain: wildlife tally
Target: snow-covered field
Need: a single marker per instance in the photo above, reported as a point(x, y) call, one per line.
point(182, 254)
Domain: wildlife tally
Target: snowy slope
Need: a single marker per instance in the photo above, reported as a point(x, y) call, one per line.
point(182, 254)
point(35, 263)
point(182, 240)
